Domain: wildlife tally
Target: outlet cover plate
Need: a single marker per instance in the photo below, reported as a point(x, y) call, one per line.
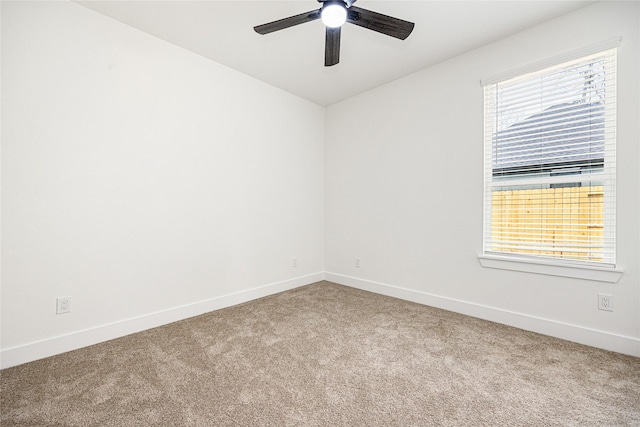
point(63, 305)
point(605, 302)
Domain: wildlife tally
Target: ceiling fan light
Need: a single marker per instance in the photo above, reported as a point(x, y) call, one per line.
point(334, 15)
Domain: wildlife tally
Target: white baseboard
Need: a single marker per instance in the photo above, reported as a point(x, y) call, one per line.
point(60, 344)
point(579, 334)
point(51, 346)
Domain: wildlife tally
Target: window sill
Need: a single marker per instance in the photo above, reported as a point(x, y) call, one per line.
point(586, 272)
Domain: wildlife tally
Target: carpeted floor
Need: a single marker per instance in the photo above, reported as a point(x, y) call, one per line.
point(327, 355)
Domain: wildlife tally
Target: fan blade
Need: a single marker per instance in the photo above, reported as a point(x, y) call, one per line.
point(332, 47)
point(281, 24)
point(384, 24)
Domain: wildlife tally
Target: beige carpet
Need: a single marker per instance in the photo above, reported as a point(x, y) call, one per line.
point(327, 355)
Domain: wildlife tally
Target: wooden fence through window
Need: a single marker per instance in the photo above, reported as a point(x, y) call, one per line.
point(563, 222)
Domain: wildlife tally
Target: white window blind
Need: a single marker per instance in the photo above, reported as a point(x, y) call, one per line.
point(550, 162)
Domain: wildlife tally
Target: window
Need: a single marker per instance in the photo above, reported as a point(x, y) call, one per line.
point(550, 163)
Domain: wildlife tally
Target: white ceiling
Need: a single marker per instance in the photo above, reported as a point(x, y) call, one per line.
point(293, 59)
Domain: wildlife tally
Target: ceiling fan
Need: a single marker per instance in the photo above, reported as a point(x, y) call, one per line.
point(334, 13)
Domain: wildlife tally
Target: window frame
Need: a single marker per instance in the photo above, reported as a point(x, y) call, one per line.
point(589, 270)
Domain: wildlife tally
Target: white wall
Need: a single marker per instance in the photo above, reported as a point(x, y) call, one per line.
point(404, 182)
point(148, 183)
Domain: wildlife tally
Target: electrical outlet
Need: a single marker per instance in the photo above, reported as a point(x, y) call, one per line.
point(294, 262)
point(357, 262)
point(605, 302)
point(63, 305)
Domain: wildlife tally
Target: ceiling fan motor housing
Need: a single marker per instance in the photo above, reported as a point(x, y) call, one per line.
point(348, 3)
point(333, 13)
